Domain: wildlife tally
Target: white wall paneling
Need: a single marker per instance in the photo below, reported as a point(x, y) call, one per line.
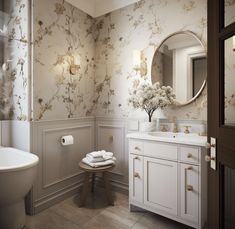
point(111, 136)
point(58, 172)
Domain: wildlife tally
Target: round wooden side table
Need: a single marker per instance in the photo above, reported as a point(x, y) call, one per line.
point(92, 171)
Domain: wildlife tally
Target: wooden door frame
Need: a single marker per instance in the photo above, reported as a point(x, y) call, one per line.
point(213, 46)
point(216, 128)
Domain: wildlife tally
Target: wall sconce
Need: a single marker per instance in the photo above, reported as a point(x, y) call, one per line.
point(234, 43)
point(75, 65)
point(139, 63)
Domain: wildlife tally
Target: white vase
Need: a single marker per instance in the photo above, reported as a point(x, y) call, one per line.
point(148, 126)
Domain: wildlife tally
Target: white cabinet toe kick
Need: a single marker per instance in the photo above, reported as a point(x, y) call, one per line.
point(169, 179)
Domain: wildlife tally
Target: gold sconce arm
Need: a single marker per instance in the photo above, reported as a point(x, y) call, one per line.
point(140, 63)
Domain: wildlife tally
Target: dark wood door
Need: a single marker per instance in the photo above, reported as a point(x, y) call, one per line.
point(221, 113)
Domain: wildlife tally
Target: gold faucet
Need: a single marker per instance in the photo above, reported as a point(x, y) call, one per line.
point(186, 131)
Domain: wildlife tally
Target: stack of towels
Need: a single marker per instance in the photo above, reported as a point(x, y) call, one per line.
point(99, 158)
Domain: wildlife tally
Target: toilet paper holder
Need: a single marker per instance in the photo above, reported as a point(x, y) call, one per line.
point(67, 140)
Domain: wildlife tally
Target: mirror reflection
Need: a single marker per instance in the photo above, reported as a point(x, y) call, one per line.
point(229, 81)
point(229, 12)
point(180, 62)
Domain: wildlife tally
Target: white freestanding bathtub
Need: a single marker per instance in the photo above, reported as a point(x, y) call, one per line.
point(17, 173)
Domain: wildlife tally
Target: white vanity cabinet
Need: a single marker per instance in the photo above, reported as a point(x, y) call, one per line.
point(160, 184)
point(137, 182)
point(169, 179)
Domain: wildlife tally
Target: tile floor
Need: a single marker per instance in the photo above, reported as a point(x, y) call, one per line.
point(97, 215)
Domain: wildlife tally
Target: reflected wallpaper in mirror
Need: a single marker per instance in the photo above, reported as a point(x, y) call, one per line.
point(229, 12)
point(229, 81)
point(180, 62)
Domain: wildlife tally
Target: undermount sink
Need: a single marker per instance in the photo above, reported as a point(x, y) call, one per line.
point(173, 135)
point(182, 138)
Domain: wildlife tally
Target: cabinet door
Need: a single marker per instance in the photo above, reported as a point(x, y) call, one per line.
point(160, 184)
point(136, 177)
point(189, 192)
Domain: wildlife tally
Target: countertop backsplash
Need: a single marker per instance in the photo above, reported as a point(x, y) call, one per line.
point(194, 126)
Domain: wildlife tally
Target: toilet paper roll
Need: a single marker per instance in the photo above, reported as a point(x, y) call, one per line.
point(67, 140)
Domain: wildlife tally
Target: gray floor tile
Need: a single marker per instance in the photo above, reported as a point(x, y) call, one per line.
point(98, 215)
point(49, 220)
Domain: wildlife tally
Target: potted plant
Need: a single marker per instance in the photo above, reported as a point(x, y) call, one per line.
point(149, 98)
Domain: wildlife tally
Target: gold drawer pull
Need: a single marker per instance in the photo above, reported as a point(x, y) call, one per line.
point(136, 175)
point(136, 158)
point(189, 155)
point(190, 168)
point(189, 188)
point(137, 148)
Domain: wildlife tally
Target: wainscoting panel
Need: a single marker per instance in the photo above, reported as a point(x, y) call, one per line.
point(58, 172)
point(61, 162)
point(111, 136)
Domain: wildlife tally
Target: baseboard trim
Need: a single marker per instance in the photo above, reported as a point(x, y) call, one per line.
point(60, 196)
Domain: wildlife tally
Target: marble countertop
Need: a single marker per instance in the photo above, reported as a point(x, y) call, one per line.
point(179, 138)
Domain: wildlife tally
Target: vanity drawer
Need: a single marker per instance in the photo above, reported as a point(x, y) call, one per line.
point(136, 178)
point(160, 150)
point(136, 147)
point(189, 154)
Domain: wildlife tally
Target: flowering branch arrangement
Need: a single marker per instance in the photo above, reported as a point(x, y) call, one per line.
point(149, 98)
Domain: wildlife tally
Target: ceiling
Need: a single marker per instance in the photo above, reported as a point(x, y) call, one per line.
point(96, 8)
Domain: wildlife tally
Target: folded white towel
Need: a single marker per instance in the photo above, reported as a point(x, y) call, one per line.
point(100, 154)
point(98, 164)
point(99, 159)
point(96, 154)
point(107, 155)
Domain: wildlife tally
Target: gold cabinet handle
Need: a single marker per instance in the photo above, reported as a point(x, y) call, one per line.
point(136, 175)
point(136, 158)
point(187, 129)
point(189, 155)
point(137, 148)
point(190, 168)
point(189, 188)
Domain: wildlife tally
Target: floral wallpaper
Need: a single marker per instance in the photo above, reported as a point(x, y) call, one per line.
point(141, 26)
point(229, 9)
point(229, 72)
point(62, 37)
point(14, 59)
point(100, 52)
point(229, 66)
point(229, 82)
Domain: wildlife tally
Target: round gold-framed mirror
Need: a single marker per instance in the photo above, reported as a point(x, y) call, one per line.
point(180, 61)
